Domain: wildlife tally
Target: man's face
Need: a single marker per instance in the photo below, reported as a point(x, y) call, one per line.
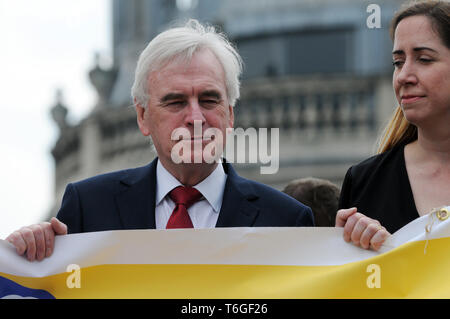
point(181, 93)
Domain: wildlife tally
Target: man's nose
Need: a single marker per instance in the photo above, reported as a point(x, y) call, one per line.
point(194, 112)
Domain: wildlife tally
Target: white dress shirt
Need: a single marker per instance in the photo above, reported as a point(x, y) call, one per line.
point(204, 213)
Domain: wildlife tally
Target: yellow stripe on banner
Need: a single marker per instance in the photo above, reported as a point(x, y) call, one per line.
point(405, 272)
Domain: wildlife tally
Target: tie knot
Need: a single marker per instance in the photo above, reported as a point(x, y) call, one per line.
point(185, 195)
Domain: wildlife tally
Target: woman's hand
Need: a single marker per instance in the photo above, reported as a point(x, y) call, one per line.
point(363, 231)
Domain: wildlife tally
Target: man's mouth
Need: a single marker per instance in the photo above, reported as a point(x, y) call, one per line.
point(201, 138)
point(196, 140)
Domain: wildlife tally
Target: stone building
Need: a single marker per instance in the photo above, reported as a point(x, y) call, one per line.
point(313, 69)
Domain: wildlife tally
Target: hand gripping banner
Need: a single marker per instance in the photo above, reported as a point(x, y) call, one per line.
point(235, 263)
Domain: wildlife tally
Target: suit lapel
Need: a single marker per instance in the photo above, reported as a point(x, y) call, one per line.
point(136, 200)
point(237, 208)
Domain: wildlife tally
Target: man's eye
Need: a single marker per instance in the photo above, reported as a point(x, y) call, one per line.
point(175, 103)
point(209, 101)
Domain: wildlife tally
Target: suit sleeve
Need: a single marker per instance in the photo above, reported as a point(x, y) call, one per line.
point(70, 212)
point(345, 199)
point(306, 218)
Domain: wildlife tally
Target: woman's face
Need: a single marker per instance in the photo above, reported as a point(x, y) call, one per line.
point(421, 77)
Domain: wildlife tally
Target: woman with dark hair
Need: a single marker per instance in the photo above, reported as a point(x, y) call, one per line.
point(410, 175)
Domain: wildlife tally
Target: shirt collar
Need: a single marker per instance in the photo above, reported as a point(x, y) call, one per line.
point(212, 187)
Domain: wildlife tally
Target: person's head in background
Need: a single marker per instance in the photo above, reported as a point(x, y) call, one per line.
point(421, 78)
point(320, 195)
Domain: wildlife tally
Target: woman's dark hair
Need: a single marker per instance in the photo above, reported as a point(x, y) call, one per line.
point(437, 11)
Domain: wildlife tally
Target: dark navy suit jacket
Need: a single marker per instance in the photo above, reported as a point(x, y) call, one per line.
point(126, 200)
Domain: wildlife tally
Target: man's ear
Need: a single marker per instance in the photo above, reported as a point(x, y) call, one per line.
point(231, 121)
point(142, 118)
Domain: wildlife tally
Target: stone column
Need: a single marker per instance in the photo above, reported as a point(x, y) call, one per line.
point(90, 147)
point(385, 101)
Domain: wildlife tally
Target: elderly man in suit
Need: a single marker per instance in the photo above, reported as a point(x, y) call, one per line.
point(186, 77)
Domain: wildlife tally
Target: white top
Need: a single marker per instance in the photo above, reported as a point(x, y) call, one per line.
point(204, 213)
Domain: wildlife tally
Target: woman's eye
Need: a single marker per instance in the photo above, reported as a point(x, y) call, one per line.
point(397, 63)
point(425, 60)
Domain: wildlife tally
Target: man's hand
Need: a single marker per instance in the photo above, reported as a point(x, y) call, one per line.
point(37, 240)
point(360, 229)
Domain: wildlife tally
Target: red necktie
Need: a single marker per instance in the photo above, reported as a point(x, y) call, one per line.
point(183, 197)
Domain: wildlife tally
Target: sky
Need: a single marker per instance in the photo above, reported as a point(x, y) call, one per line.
point(45, 45)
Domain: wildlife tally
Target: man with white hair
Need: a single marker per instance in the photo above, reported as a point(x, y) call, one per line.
point(187, 78)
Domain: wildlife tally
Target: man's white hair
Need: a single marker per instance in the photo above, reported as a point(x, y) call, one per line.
point(182, 43)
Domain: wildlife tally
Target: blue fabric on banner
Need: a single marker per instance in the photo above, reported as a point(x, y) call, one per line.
point(11, 289)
